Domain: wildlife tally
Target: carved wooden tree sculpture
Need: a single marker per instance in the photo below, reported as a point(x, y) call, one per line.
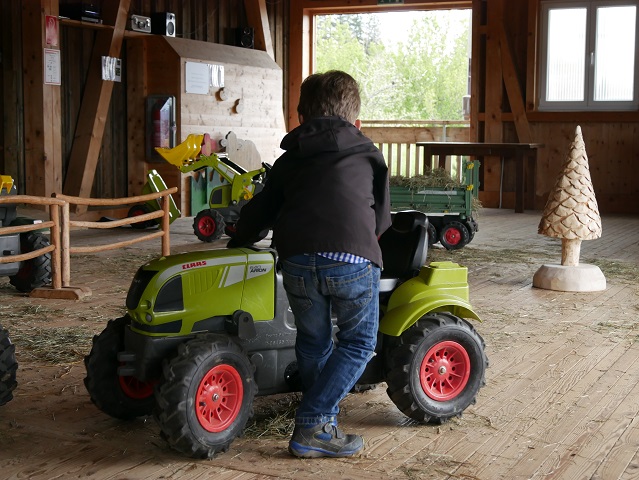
point(572, 214)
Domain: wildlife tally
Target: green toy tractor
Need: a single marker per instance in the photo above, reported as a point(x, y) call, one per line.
point(8, 367)
point(207, 331)
point(235, 188)
point(28, 274)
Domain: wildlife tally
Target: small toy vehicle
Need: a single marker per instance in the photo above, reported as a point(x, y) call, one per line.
point(8, 367)
point(207, 331)
point(237, 185)
point(28, 274)
point(154, 183)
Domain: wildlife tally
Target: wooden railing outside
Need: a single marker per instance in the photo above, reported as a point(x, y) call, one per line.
point(397, 140)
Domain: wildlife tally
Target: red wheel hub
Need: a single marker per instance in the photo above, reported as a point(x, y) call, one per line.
point(134, 388)
point(207, 226)
point(444, 371)
point(219, 398)
point(452, 236)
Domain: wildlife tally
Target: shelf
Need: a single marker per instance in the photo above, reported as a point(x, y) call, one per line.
point(80, 24)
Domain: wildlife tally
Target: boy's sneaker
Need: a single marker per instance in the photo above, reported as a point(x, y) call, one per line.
point(323, 440)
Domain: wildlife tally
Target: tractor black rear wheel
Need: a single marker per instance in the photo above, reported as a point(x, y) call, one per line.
point(120, 397)
point(205, 395)
point(436, 368)
point(8, 367)
point(208, 225)
point(35, 272)
point(141, 209)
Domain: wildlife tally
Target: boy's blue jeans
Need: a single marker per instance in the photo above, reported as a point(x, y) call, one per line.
point(315, 286)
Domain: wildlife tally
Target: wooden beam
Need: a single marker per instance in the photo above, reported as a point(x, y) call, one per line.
point(42, 111)
point(513, 90)
point(12, 100)
point(531, 55)
point(299, 58)
point(257, 17)
point(95, 103)
point(494, 77)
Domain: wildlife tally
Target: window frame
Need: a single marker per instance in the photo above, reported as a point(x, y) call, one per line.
point(588, 104)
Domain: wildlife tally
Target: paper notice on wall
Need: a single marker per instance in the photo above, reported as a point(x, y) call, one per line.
point(111, 69)
point(52, 75)
point(197, 78)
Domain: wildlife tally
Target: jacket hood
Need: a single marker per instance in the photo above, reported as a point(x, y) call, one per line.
point(323, 134)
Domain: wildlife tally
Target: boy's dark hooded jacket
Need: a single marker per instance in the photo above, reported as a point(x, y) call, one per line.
point(327, 193)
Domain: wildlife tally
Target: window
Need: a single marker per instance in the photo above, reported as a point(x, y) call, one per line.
point(589, 55)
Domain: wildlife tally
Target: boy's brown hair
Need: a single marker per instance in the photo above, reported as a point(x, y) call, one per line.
point(333, 93)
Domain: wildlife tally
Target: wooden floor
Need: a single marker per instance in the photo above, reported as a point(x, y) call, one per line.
point(561, 399)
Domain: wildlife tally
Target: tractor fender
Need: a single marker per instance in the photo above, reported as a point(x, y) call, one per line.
point(399, 319)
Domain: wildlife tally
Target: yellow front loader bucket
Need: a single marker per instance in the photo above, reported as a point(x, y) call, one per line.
point(182, 153)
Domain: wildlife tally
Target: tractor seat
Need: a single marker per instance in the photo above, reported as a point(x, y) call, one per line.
point(404, 247)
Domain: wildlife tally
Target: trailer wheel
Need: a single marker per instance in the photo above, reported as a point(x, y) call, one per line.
point(208, 225)
point(35, 272)
point(436, 369)
point(8, 367)
point(205, 396)
point(136, 211)
point(454, 235)
point(124, 398)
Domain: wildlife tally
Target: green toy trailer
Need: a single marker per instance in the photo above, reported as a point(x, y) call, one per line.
point(207, 331)
point(449, 208)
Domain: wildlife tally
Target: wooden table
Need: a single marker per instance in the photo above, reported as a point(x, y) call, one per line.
point(519, 151)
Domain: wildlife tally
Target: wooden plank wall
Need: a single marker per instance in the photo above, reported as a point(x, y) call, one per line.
point(610, 137)
point(251, 106)
point(212, 21)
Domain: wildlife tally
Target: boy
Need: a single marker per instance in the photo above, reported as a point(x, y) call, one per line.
point(327, 200)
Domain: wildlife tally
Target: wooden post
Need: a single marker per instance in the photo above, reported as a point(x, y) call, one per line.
point(166, 238)
point(258, 18)
point(54, 214)
point(42, 111)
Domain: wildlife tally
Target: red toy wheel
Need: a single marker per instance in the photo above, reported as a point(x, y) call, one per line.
point(136, 389)
point(219, 398)
point(205, 395)
point(444, 371)
point(435, 368)
point(208, 225)
point(454, 235)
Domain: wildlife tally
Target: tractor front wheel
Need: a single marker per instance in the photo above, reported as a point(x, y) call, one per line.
point(205, 396)
point(120, 397)
point(208, 225)
point(8, 367)
point(35, 272)
point(436, 368)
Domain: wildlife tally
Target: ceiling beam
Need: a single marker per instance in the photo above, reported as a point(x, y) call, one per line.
point(257, 17)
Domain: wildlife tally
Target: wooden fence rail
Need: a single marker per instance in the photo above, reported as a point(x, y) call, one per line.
point(60, 225)
point(53, 225)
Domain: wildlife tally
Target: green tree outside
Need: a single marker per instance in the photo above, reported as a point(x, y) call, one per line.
point(421, 79)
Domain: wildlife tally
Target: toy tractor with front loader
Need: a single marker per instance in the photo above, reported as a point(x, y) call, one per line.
point(237, 185)
point(205, 332)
